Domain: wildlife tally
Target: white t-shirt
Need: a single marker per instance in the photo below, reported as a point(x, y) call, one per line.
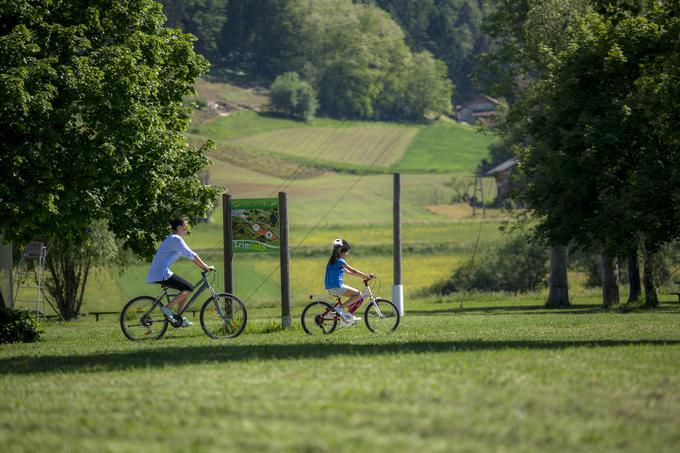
point(170, 250)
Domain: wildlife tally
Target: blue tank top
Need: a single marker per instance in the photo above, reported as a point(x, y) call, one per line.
point(334, 274)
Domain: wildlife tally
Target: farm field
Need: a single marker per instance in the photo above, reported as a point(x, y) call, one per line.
point(494, 376)
point(443, 146)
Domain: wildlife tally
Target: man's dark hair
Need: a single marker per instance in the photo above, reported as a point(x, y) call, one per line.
point(177, 222)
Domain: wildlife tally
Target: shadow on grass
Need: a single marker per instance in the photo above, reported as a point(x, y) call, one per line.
point(582, 309)
point(506, 310)
point(222, 354)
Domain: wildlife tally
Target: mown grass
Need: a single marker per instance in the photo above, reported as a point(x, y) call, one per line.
point(445, 147)
point(505, 376)
point(355, 145)
point(348, 146)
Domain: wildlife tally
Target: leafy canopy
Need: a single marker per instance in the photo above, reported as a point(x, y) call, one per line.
point(92, 121)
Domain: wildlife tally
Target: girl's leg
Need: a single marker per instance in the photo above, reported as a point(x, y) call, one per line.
point(353, 295)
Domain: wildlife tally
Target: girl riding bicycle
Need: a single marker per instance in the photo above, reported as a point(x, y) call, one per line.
point(335, 270)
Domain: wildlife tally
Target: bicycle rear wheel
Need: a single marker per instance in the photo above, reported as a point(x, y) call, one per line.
point(224, 317)
point(318, 318)
point(140, 320)
point(381, 315)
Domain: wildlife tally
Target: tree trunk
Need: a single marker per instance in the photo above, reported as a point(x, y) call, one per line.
point(651, 299)
point(68, 274)
point(610, 280)
point(635, 290)
point(558, 296)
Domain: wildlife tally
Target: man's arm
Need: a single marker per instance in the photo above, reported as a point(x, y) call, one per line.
point(199, 262)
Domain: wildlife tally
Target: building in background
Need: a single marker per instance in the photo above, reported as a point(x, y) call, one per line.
point(478, 109)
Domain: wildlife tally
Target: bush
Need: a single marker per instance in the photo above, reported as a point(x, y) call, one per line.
point(518, 265)
point(293, 96)
point(17, 326)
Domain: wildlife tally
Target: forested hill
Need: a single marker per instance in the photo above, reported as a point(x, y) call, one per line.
point(450, 29)
point(365, 58)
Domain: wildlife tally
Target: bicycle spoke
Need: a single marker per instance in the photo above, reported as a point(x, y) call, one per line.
point(318, 318)
point(223, 317)
point(381, 316)
point(142, 319)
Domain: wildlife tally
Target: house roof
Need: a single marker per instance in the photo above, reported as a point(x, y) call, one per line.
point(502, 167)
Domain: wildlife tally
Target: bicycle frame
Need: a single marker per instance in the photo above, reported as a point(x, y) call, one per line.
point(366, 293)
point(204, 284)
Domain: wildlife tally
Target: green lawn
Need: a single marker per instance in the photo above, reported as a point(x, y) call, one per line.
point(505, 376)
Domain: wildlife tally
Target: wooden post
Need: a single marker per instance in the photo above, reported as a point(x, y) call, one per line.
point(286, 321)
point(397, 287)
point(228, 235)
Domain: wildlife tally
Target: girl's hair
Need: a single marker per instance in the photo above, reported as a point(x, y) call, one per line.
point(339, 246)
point(176, 222)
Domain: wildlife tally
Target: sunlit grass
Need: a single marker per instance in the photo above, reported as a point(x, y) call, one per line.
point(504, 375)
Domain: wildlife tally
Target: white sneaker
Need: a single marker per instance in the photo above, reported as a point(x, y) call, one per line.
point(355, 319)
point(342, 323)
point(186, 323)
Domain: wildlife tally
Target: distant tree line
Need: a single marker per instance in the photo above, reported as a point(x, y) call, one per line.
point(377, 59)
point(450, 29)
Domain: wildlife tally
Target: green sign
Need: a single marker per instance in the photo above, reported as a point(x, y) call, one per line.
point(255, 223)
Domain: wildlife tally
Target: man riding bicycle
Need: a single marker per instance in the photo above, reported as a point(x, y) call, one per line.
point(171, 249)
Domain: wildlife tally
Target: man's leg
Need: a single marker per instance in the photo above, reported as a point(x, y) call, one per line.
point(179, 299)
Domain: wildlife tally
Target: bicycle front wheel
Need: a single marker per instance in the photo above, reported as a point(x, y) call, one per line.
point(381, 315)
point(318, 318)
point(141, 320)
point(224, 316)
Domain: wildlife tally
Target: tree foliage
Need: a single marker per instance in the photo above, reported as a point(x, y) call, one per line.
point(354, 56)
point(598, 94)
point(450, 29)
point(204, 19)
point(92, 121)
point(518, 265)
point(293, 96)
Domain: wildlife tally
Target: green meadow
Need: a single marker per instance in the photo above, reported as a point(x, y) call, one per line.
point(484, 374)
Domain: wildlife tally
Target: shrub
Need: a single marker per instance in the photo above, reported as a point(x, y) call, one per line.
point(518, 265)
point(293, 96)
point(17, 326)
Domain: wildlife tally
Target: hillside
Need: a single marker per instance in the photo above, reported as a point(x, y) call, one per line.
point(337, 177)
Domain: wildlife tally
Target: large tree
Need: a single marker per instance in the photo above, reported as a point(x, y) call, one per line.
point(599, 163)
point(92, 122)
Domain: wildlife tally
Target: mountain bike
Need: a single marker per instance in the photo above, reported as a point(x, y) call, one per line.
point(223, 315)
point(320, 317)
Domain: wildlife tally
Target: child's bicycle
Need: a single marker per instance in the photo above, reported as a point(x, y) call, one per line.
point(223, 315)
point(320, 317)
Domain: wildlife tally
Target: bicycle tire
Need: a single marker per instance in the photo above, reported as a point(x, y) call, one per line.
point(230, 324)
point(133, 324)
point(312, 319)
point(388, 322)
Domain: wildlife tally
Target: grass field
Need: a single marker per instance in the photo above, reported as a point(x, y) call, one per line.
point(441, 147)
point(495, 376)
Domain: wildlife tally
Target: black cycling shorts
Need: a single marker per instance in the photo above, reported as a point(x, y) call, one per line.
point(177, 282)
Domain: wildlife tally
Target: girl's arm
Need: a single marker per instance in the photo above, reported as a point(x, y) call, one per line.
point(350, 270)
